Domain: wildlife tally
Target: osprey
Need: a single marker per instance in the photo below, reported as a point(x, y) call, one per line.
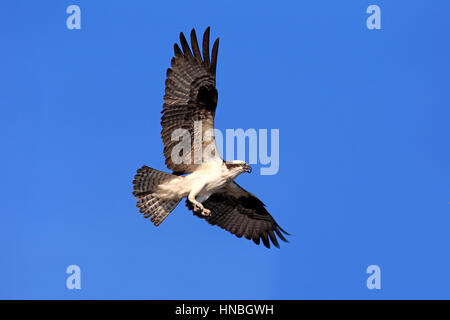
point(207, 182)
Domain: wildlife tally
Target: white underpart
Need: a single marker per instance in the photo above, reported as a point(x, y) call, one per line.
point(199, 185)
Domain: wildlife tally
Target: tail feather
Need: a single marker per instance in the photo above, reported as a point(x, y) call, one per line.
point(147, 180)
point(145, 185)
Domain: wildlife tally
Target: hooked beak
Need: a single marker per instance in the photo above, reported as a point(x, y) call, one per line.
point(248, 169)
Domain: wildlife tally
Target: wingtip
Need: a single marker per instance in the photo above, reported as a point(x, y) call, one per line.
point(177, 50)
point(284, 231)
point(207, 32)
point(182, 37)
point(279, 231)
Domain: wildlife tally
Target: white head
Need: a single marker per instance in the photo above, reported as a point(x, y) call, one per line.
point(236, 167)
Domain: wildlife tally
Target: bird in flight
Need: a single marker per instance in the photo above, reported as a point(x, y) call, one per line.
point(199, 174)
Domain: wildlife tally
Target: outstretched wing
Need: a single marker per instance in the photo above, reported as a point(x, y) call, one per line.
point(241, 213)
point(190, 102)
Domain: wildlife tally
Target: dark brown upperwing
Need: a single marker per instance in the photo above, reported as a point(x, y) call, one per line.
point(190, 97)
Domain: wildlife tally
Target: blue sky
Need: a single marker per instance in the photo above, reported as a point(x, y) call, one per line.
point(364, 149)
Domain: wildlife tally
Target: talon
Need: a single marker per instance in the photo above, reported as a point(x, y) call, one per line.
point(206, 212)
point(198, 208)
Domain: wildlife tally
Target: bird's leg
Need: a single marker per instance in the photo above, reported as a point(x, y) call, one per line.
point(197, 205)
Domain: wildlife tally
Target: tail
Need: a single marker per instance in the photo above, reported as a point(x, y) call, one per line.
point(145, 184)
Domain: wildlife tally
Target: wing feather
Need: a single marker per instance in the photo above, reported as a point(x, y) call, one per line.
point(186, 50)
point(190, 96)
point(206, 48)
point(195, 47)
point(215, 51)
point(242, 214)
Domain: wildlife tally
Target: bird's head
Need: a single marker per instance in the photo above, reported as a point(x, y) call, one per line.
point(246, 168)
point(237, 167)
